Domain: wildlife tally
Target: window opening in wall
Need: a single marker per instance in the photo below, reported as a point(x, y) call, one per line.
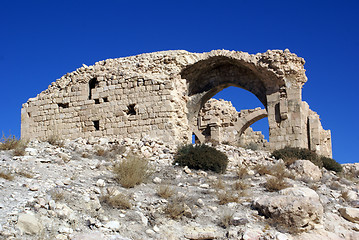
point(194, 139)
point(96, 124)
point(29, 114)
point(131, 109)
point(105, 99)
point(93, 83)
point(97, 101)
point(63, 105)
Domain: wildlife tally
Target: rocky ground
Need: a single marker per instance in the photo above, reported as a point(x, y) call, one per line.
point(62, 191)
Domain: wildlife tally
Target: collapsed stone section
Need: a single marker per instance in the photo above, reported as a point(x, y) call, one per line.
point(160, 95)
point(219, 121)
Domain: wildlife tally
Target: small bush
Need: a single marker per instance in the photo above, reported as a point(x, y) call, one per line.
point(176, 208)
point(227, 196)
point(279, 170)
point(112, 152)
point(290, 154)
point(6, 175)
point(252, 146)
point(12, 143)
point(226, 218)
point(8, 143)
point(242, 172)
point(335, 186)
point(19, 150)
point(240, 185)
point(57, 194)
point(55, 141)
point(274, 184)
point(331, 165)
point(345, 196)
point(218, 184)
point(165, 191)
point(119, 200)
point(201, 157)
point(262, 169)
point(25, 173)
point(100, 152)
point(132, 171)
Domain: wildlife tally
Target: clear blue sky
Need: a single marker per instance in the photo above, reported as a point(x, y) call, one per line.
point(43, 40)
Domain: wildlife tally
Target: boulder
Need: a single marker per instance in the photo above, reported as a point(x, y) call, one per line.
point(297, 209)
point(28, 223)
point(87, 236)
point(350, 214)
point(199, 233)
point(307, 169)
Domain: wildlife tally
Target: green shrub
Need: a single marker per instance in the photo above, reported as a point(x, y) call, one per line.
point(202, 157)
point(331, 165)
point(290, 154)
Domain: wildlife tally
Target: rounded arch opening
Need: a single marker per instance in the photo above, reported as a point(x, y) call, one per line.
point(216, 76)
point(242, 100)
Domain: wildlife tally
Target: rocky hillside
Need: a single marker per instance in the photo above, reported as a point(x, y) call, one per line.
point(69, 190)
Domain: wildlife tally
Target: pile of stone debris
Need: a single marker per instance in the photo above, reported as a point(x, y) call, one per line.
point(57, 192)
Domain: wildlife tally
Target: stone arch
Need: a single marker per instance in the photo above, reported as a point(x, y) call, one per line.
point(249, 119)
point(207, 77)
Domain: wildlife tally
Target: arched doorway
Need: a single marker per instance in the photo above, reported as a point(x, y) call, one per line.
point(208, 77)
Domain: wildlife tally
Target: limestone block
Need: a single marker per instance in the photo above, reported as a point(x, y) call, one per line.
point(350, 214)
point(28, 223)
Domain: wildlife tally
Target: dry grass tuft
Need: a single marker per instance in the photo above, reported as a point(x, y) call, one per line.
point(25, 174)
point(165, 191)
point(119, 200)
point(218, 185)
point(57, 194)
point(226, 218)
point(335, 186)
point(6, 175)
point(100, 152)
point(176, 208)
point(242, 172)
point(132, 171)
point(262, 169)
point(8, 143)
point(115, 150)
point(227, 196)
point(19, 150)
point(314, 186)
point(240, 185)
point(274, 184)
point(12, 143)
point(345, 196)
point(55, 141)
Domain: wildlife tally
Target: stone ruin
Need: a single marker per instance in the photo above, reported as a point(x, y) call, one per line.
point(160, 95)
point(219, 121)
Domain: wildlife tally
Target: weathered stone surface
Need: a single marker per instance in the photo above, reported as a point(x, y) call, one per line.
point(350, 214)
point(200, 233)
point(69, 205)
point(307, 169)
point(299, 209)
point(28, 223)
point(160, 95)
point(232, 125)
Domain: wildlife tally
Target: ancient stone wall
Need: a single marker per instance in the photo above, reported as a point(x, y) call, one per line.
point(160, 95)
point(219, 121)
